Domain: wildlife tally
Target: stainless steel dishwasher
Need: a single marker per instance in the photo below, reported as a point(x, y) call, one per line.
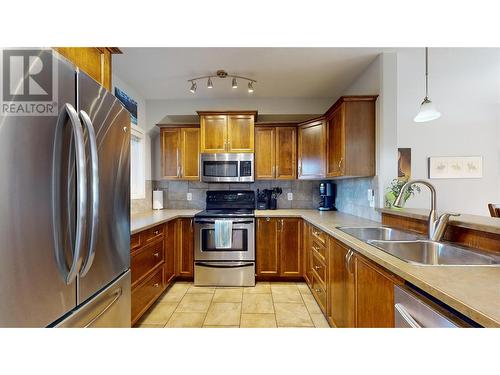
point(413, 310)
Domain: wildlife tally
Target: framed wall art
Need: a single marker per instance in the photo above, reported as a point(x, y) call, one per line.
point(455, 167)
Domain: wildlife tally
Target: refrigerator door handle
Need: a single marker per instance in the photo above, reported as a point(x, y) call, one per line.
point(69, 273)
point(94, 193)
point(116, 296)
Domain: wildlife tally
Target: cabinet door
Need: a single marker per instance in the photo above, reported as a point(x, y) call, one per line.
point(170, 153)
point(190, 162)
point(240, 133)
point(267, 255)
point(170, 249)
point(336, 143)
point(374, 296)
point(213, 133)
point(341, 286)
point(290, 257)
point(306, 251)
point(94, 61)
point(311, 153)
point(185, 258)
point(265, 153)
point(286, 165)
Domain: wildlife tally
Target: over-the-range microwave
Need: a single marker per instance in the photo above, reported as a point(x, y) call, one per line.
point(227, 167)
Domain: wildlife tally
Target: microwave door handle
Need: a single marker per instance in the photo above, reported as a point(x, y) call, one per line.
point(69, 274)
point(94, 192)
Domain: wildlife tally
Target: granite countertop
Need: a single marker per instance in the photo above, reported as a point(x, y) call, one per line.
point(472, 290)
point(148, 219)
point(476, 222)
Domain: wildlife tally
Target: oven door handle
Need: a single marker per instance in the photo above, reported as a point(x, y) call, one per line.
point(224, 264)
point(235, 221)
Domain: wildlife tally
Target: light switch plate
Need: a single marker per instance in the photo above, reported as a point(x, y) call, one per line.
point(290, 196)
point(189, 196)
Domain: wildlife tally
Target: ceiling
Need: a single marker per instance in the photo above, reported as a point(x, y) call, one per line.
point(162, 73)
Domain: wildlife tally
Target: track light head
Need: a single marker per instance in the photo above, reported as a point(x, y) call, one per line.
point(235, 84)
point(209, 83)
point(193, 87)
point(250, 86)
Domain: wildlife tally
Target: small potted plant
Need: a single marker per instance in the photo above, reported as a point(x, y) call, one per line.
point(395, 188)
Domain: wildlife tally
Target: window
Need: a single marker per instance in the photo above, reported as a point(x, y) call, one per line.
point(137, 163)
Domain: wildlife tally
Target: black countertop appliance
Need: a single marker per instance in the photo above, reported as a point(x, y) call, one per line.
point(327, 193)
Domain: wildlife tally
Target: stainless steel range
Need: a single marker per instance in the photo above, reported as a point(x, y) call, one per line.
point(224, 242)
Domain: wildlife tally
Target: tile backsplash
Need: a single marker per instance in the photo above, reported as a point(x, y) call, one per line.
point(305, 193)
point(351, 194)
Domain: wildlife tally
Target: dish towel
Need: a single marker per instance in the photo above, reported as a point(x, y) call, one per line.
point(223, 234)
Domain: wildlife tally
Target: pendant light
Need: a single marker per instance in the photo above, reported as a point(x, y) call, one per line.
point(427, 110)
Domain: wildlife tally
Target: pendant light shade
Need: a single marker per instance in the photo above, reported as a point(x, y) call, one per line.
point(428, 111)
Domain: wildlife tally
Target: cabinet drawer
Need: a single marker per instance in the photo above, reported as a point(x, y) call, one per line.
point(319, 249)
point(152, 234)
point(146, 293)
point(135, 241)
point(145, 259)
point(319, 268)
point(319, 292)
point(319, 235)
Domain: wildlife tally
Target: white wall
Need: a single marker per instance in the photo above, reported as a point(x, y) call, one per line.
point(464, 85)
point(141, 115)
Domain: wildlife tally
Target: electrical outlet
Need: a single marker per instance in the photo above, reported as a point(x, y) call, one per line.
point(290, 196)
point(189, 196)
point(371, 197)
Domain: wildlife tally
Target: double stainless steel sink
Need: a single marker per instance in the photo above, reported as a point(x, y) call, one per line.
point(415, 249)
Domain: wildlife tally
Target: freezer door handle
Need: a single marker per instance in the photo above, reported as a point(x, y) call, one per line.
point(94, 192)
point(115, 296)
point(69, 273)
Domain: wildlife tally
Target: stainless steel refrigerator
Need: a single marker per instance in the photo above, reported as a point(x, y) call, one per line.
point(64, 207)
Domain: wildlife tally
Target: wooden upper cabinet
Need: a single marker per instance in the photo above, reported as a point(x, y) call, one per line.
point(170, 153)
point(312, 150)
point(190, 161)
point(213, 133)
point(240, 133)
point(286, 153)
point(267, 254)
point(351, 137)
point(275, 153)
point(95, 61)
point(341, 309)
point(180, 153)
point(227, 132)
point(265, 152)
point(374, 295)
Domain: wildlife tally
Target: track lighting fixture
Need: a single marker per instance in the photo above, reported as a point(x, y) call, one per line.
point(193, 87)
point(222, 74)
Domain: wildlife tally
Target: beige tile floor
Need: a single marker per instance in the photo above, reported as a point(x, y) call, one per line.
point(267, 305)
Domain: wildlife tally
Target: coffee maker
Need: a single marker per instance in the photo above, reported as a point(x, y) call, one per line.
point(327, 192)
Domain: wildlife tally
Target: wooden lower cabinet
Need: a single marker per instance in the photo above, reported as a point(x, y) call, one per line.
point(374, 295)
point(306, 251)
point(158, 255)
point(185, 249)
point(170, 250)
point(278, 247)
point(341, 309)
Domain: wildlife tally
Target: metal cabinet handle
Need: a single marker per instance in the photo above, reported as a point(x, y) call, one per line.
point(351, 253)
point(156, 232)
point(156, 255)
point(267, 218)
point(156, 285)
point(341, 164)
point(70, 274)
point(94, 193)
point(318, 290)
point(317, 268)
point(315, 248)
